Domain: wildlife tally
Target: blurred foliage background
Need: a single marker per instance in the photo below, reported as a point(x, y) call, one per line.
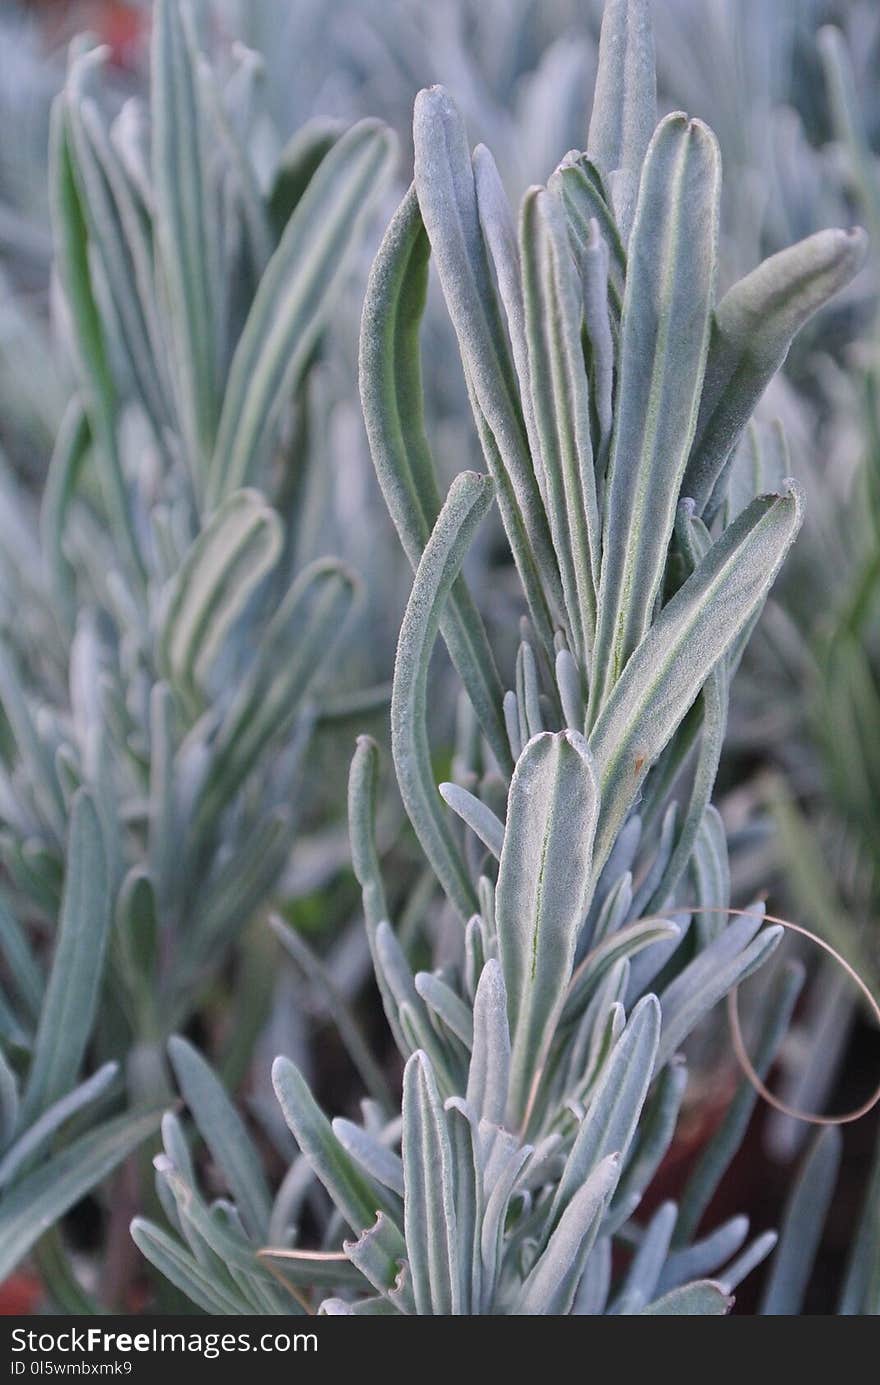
point(791, 90)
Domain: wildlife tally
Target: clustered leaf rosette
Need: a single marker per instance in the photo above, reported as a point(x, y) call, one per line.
point(160, 692)
point(181, 638)
point(540, 1092)
point(542, 1081)
point(506, 1195)
point(611, 393)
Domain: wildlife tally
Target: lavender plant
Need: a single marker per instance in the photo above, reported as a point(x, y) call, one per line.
point(543, 1076)
point(175, 642)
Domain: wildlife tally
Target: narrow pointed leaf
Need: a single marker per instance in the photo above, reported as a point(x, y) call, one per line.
point(752, 329)
point(468, 1183)
point(542, 894)
point(498, 226)
point(477, 815)
point(469, 497)
point(664, 337)
point(595, 267)
point(449, 1008)
point(749, 1259)
point(625, 99)
point(714, 722)
point(376, 1159)
point(391, 395)
point(362, 790)
point(295, 297)
point(121, 235)
point(223, 1131)
point(561, 408)
point(693, 631)
point(429, 1202)
point(447, 197)
point(74, 983)
point(180, 192)
point(489, 1070)
point(647, 1263)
